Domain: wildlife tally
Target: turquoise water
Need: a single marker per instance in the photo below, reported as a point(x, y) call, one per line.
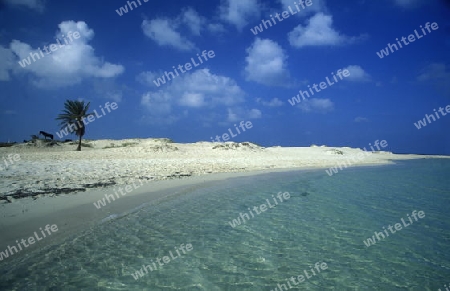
point(326, 219)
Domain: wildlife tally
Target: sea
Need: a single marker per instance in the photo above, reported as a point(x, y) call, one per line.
point(365, 228)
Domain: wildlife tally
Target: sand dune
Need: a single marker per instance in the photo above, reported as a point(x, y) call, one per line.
point(58, 169)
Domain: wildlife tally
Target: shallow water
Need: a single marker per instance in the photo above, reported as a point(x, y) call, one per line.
point(326, 219)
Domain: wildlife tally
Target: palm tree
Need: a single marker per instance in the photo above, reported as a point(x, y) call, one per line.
point(72, 118)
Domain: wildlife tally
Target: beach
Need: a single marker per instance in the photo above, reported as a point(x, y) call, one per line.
point(58, 184)
point(211, 146)
point(122, 204)
point(43, 170)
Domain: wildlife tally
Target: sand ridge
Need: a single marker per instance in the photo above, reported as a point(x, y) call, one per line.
point(59, 169)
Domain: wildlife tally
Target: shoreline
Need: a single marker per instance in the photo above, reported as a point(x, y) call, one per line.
point(169, 169)
point(41, 168)
point(76, 214)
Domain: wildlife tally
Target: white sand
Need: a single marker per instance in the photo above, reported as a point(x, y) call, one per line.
point(59, 168)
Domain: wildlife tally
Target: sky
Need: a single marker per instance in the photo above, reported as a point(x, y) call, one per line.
point(102, 53)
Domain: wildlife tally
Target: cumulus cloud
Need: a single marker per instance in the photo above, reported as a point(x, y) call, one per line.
point(147, 78)
point(157, 103)
point(164, 33)
point(318, 32)
point(193, 100)
point(275, 102)
point(317, 6)
point(316, 105)
point(239, 114)
point(193, 20)
point(218, 90)
point(254, 113)
point(193, 90)
point(357, 74)
point(37, 5)
point(266, 63)
point(69, 64)
point(173, 32)
point(240, 12)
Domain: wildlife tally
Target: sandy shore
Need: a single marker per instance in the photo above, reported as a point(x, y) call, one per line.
point(155, 166)
point(59, 169)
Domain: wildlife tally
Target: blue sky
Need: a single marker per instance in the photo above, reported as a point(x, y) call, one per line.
point(250, 78)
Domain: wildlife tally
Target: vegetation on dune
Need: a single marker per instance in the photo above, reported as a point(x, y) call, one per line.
point(165, 140)
point(125, 144)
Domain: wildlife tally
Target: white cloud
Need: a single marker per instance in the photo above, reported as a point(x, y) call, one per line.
point(37, 5)
point(266, 63)
point(357, 74)
point(318, 32)
point(157, 103)
point(69, 64)
point(193, 90)
point(217, 90)
point(147, 78)
point(192, 100)
point(168, 31)
point(254, 114)
point(159, 107)
point(240, 12)
point(275, 102)
point(239, 114)
point(193, 20)
point(316, 105)
point(163, 32)
point(317, 6)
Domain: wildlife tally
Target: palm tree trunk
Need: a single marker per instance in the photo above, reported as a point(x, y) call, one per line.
point(79, 144)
